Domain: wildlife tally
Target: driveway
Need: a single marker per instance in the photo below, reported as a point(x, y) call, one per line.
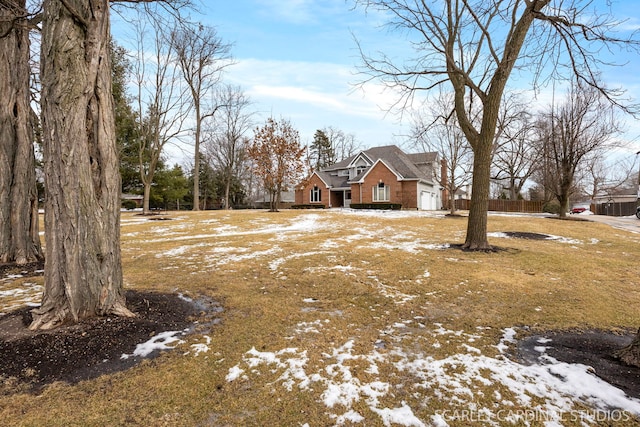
point(629, 223)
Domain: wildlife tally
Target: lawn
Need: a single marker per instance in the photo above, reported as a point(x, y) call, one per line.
point(341, 317)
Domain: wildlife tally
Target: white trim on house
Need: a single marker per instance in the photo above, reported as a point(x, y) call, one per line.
point(362, 179)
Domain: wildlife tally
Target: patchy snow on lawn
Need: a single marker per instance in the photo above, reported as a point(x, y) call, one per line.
point(391, 213)
point(157, 343)
point(551, 391)
point(200, 348)
point(548, 237)
point(405, 375)
point(13, 298)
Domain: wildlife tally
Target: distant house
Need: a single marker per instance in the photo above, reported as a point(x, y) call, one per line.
point(287, 198)
point(620, 202)
point(377, 175)
point(135, 198)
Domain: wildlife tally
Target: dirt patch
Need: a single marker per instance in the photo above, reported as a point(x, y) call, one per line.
point(155, 216)
point(26, 270)
point(30, 360)
point(491, 249)
point(526, 235)
point(592, 348)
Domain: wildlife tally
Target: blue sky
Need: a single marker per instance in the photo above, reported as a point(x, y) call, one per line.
point(297, 59)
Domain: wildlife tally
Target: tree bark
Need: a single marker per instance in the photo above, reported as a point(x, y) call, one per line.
point(476, 238)
point(631, 353)
point(19, 237)
point(227, 188)
point(83, 272)
point(196, 162)
point(146, 209)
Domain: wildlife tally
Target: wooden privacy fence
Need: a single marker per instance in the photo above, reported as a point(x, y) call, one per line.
point(500, 205)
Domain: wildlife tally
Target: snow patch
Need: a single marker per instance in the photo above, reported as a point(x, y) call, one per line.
point(158, 342)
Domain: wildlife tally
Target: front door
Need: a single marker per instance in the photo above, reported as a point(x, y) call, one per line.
point(347, 198)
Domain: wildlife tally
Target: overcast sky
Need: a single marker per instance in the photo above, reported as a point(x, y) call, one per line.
point(297, 59)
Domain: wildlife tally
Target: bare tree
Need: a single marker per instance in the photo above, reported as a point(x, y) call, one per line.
point(162, 106)
point(83, 273)
point(438, 130)
point(227, 142)
point(474, 46)
point(343, 145)
point(19, 237)
point(513, 159)
point(581, 126)
point(202, 56)
point(603, 177)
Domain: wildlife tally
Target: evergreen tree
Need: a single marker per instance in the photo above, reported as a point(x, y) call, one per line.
point(125, 118)
point(170, 188)
point(322, 153)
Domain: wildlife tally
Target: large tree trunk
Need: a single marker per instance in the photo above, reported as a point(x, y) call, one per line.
point(631, 353)
point(19, 237)
point(566, 182)
point(476, 238)
point(146, 209)
point(563, 200)
point(83, 273)
point(227, 188)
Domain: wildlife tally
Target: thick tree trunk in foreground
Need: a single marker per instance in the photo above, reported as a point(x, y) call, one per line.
point(476, 238)
point(19, 238)
point(83, 273)
point(631, 353)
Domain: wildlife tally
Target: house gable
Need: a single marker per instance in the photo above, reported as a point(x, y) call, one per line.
point(363, 176)
point(379, 184)
point(358, 165)
point(322, 177)
point(314, 191)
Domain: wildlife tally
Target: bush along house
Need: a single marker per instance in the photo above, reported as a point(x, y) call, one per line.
point(380, 177)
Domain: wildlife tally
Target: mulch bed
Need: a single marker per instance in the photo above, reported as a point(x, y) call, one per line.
point(30, 360)
point(593, 348)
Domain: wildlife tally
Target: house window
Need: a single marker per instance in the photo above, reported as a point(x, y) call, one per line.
point(381, 193)
point(316, 194)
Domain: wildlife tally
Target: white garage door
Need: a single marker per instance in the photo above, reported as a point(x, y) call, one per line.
point(427, 201)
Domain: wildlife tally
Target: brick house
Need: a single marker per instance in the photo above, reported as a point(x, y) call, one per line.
point(377, 175)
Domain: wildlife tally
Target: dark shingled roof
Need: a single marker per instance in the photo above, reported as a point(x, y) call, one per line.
point(333, 181)
point(408, 166)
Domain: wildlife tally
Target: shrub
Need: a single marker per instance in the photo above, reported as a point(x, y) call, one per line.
point(380, 206)
point(129, 204)
point(551, 207)
point(307, 206)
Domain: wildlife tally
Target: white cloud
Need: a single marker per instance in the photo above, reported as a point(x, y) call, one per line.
point(314, 95)
point(300, 11)
point(298, 94)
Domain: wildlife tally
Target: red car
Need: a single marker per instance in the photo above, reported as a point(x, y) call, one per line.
point(578, 210)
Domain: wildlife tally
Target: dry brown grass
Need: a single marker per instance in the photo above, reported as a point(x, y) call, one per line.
point(352, 278)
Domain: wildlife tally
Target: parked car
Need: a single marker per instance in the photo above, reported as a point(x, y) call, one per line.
point(579, 209)
point(638, 212)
